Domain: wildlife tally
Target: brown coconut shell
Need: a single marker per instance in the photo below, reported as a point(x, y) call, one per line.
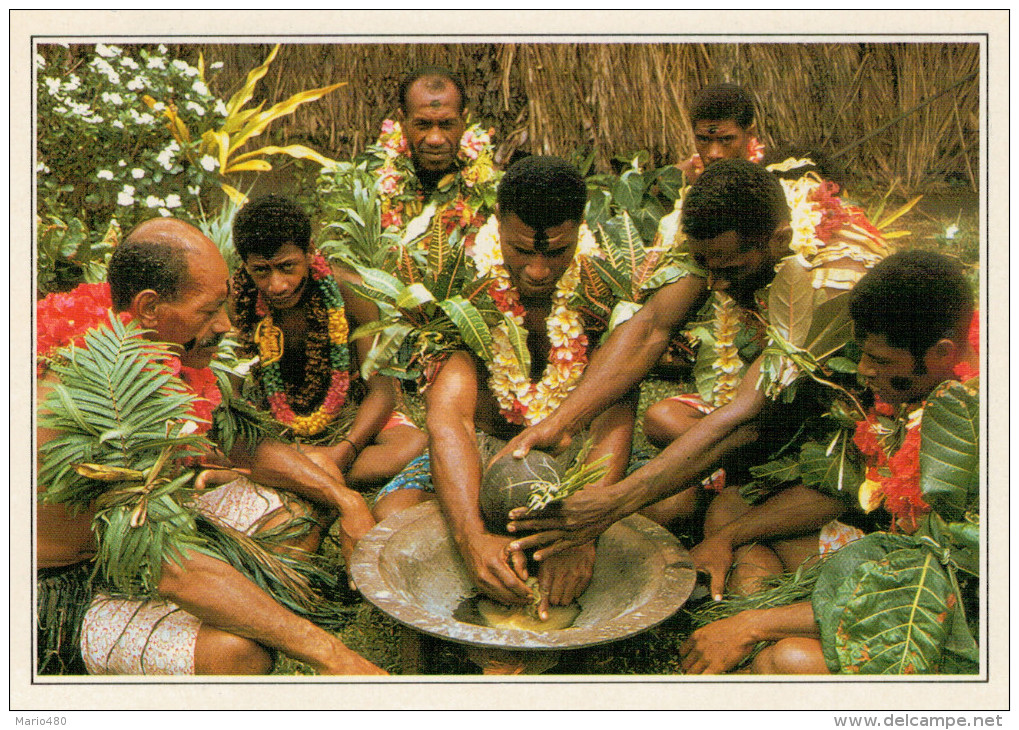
point(508, 483)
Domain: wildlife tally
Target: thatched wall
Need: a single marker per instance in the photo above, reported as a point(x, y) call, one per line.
point(620, 97)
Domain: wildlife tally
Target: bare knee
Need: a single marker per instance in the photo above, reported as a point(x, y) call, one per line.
point(791, 656)
point(667, 420)
point(398, 501)
point(220, 652)
point(727, 506)
point(751, 565)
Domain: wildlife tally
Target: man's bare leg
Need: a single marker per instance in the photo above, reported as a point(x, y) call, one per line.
point(222, 598)
point(383, 459)
point(676, 509)
point(791, 656)
point(667, 420)
point(220, 652)
point(398, 501)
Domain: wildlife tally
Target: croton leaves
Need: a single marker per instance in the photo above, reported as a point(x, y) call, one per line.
point(471, 324)
point(949, 450)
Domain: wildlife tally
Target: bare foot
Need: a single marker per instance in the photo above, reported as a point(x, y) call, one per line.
point(354, 523)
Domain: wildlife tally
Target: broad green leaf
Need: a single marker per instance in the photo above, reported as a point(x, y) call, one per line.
point(380, 284)
point(629, 190)
point(950, 450)
point(387, 344)
point(622, 312)
point(791, 302)
point(841, 364)
point(518, 340)
point(782, 470)
point(839, 576)
point(414, 297)
point(670, 181)
point(455, 268)
point(896, 616)
point(830, 328)
point(837, 472)
point(616, 279)
point(471, 324)
point(598, 208)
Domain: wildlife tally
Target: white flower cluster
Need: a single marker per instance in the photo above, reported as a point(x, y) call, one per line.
point(97, 105)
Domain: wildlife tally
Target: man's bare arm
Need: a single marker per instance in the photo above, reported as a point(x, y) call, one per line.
point(722, 644)
point(223, 598)
point(451, 400)
point(563, 577)
point(587, 514)
point(793, 511)
point(617, 366)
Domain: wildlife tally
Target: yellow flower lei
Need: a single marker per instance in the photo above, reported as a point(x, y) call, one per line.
point(520, 400)
point(727, 364)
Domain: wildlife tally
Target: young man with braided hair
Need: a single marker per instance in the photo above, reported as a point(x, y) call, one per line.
point(295, 311)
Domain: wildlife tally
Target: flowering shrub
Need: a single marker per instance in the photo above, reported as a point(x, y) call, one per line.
point(102, 154)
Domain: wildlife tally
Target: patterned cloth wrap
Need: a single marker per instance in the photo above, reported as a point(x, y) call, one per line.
point(125, 636)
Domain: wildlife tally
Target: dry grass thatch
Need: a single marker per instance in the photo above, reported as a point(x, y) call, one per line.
point(614, 98)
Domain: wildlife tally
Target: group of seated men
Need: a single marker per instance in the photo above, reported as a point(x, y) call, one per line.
point(294, 309)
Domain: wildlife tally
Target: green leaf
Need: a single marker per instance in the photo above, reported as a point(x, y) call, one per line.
point(670, 181)
point(598, 208)
point(881, 604)
point(385, 348)
point(377, 284)
point(617, 281)
point(791, 302)
point(518, 340)
point(414, 296)
point(949, 450)
point(786, 469)
point(896, 616)
point(831, 327)
point(837, 472)
point(622, 312)
point(841, 365)
point(628, 191)
point(471, 324)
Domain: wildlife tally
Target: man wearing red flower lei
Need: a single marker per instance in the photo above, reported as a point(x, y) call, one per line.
point(472, 407)
point(295, 311)
point(914, 320)
point(723, 129)
point(172, 280)
point(737, 220)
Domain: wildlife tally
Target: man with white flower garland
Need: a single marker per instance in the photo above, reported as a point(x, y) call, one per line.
point(530, 250)
point(429, 161)
point(737, 221)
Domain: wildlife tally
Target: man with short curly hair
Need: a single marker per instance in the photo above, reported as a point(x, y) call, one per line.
point(278, 291)
point(738, 227)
